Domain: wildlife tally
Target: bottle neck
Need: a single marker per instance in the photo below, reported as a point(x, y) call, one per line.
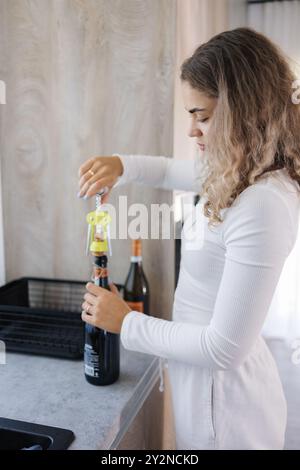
point(136, 249)
point(100, 272)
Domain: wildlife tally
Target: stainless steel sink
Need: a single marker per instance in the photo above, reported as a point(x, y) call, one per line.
point(21, 435)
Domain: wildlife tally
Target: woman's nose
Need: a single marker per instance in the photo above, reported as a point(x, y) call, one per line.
point(194, 131)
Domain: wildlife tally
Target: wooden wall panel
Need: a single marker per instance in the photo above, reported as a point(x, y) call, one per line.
point(84, 78)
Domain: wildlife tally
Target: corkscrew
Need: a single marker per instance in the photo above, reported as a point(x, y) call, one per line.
point(98, 237)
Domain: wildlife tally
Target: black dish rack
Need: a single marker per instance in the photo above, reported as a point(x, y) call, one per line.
point(43, 316)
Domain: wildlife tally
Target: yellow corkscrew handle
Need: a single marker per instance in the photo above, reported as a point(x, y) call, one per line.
point(101, 218)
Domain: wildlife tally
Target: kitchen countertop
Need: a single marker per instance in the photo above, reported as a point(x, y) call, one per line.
point(54, 392)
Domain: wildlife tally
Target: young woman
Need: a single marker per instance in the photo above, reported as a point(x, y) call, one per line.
point(226, 390)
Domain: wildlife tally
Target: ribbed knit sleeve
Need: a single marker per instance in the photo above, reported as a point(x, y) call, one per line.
point(258, 235)
point(161, 172)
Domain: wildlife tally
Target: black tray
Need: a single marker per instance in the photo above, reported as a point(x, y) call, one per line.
point(43, 316)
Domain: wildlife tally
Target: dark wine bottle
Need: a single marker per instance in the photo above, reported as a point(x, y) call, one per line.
point(102, 348)
point(136, 288)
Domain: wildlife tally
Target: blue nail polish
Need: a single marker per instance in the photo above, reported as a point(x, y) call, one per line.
point(78, 195)
point(85, 197)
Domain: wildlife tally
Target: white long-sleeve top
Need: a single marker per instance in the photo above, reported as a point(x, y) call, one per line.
point(228, 275)
point(255, 239)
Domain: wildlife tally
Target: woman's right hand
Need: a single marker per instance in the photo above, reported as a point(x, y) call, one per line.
point(98, 172)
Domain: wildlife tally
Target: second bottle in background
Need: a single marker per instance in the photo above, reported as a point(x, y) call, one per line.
point(136, 287)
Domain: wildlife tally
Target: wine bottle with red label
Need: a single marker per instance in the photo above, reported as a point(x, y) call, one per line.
point(136, 288)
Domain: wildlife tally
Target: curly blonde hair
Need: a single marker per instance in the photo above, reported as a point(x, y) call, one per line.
point(255, 126)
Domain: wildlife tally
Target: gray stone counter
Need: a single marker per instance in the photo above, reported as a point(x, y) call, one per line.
point(54, 392)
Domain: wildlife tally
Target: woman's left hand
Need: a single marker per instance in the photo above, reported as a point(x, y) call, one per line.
point(104, 309)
